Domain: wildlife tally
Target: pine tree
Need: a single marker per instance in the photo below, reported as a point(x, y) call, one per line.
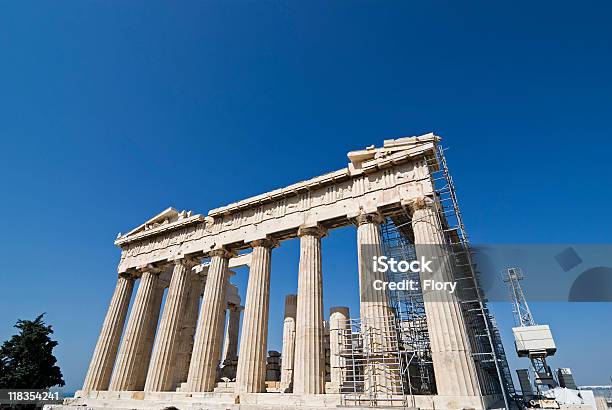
point(27, 361)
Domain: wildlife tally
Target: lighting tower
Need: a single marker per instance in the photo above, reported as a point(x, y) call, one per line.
point(530, 339)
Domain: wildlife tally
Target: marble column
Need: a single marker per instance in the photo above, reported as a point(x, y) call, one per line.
point(309, 374)
point(188, 327)
point(105, 353)
point(207, 343)
point(145, 354)
point(230, 347)
point(160, 376)
point(384, 376)
point(454, 367)
point(251, 371)
point(135, 351)
point(288, 354)
point(339, 326)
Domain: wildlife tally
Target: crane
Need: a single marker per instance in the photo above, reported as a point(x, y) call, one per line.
point(531, 340)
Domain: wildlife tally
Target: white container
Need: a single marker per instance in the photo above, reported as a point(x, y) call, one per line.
point(534, 340)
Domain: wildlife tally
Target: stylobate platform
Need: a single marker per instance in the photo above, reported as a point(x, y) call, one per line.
point(263, 401)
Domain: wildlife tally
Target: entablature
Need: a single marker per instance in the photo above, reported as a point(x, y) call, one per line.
point(376, 180)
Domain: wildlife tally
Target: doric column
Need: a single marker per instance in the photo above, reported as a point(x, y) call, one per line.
point(188, 328)
point(309, 375)
point(105, 353)
point(230, 348)
point(384, 376)
point(454, 367)
point(160, 376)
point(288, 354)
point(145, 355)
point(338, 331)
point(208, 339)
point(135, 350)
point(251, 371)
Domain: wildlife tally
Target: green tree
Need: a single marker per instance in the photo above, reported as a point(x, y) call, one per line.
point(27, 361)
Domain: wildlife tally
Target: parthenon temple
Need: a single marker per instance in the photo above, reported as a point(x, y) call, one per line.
point(204, 345)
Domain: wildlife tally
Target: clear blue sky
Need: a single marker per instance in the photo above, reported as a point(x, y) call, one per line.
point(112, 111)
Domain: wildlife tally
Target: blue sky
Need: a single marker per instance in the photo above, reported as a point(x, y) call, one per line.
point(112, 111)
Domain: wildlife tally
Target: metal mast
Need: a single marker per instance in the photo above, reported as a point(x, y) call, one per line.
point(532, 340)
point(522, 313)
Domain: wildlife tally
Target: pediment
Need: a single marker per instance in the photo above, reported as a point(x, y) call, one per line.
point(166, 218)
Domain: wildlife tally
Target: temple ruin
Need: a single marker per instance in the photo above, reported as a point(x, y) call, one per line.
point(400, 349)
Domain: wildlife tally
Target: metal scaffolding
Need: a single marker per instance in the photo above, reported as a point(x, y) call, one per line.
point(372, 363)
point(409, 310)
point(486, 345)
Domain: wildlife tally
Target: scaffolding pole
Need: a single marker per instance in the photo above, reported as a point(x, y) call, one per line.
point(484, 335)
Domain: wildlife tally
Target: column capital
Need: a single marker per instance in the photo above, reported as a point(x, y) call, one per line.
point(422, 202)
point(367, 218)
point(265, 242)
point(222, 252)
point(126, 275)
point(189, 261)
point(153, 269)
point(312, 230)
